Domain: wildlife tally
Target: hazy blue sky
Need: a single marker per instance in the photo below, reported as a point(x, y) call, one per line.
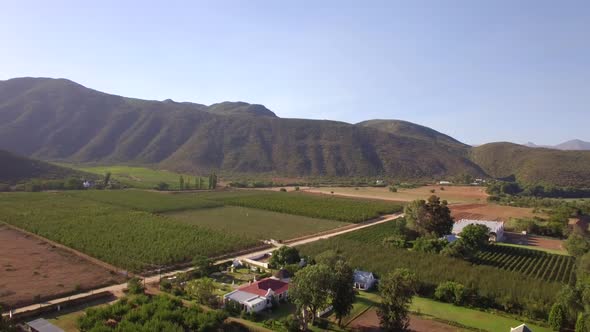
point(480, 71)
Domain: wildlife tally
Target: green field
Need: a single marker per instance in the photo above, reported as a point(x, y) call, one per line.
point(258, 224)
point(125, 238)
point(148, 200)
point(506, 289)
point(468, 317)
point(143, 178)
point(316, 206)
point(533, 263)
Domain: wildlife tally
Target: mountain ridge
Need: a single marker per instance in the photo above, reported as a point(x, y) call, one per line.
point(57, 119)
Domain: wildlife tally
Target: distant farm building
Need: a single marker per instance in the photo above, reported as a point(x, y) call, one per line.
point(364, 280)
point(496, 228)
point(445, 182)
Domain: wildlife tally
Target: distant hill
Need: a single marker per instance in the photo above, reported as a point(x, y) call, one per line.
point(16, 168)
point(60, 120)
point(534, 165)
point(574, 144)
point(412, 130)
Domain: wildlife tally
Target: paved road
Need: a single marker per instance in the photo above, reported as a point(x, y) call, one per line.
point(117, 290)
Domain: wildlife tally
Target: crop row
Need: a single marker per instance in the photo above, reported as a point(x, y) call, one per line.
point(532, 263)
point(316, 206)
point(126, 238)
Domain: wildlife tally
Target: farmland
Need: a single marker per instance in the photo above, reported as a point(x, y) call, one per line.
point(453, 194)
point(147, 200)
point(491, 212)
point(316, 206)
point(258, 224)
point(533, 263)
point(364, 249)
point(125, 238)
point(141, 177)
point(31, 267)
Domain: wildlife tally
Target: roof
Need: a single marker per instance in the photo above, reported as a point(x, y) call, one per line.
point(363, 276)
point(494, 226)
point(43, 325)
point(240, 296)
point(521, 328)
point(261, 287)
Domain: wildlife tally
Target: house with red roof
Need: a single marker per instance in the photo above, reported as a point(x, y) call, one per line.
point(259, 295)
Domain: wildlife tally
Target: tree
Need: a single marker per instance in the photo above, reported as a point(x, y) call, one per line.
point(556, 317)
point(201, 290)
point(202, 265)
point(431, 217)
point(450, 291)
point(393, 189)
point(285, 255)
point(577, 244)
point(397, 289)
point(5, 324)
point(135, 286)
point(583, 323)
point(475, 237)
point(107, 179)
point(309, 291)
point(343, 295)
point(329, 258)
point(181, 182)
point(200, 183)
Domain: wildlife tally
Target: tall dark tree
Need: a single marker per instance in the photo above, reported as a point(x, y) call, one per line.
point(310, 291)
point(430, 218)
point(285, 255)
point(181, 182)
point(397, 289)
point(107, 179)
point(343, 295)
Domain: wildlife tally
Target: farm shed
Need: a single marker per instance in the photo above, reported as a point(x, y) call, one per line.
point(496, 228)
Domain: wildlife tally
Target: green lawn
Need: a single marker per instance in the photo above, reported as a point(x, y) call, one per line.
point(468, 317)
point(259, 224)
point(141, 177)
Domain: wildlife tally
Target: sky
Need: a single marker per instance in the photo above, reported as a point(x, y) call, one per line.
point(480, 71)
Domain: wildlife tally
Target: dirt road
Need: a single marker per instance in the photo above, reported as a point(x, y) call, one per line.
point(117, 290)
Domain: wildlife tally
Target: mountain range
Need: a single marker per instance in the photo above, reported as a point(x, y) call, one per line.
point(60, 120)
point(574, 144)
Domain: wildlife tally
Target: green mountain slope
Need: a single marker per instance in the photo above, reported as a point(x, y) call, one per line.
point(409, 129)
point(534, 165)
point(15, 168)
point(61, 120)
point(56, 119)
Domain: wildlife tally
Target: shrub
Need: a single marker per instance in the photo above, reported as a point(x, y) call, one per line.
point(393, 189)
point(284, 190)
point(423, 244)
point(556, 317)
point(450, 291)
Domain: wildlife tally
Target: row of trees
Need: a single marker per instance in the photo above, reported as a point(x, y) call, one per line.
point(500, 188)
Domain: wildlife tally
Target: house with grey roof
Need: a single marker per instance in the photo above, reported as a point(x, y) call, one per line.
point(42, 325)
point(364, 280)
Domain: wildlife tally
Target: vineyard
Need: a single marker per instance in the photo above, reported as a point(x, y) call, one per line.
point(509, 290)
point(532, 263)
point(316, 206)
point(148, 201)
point(130, 239)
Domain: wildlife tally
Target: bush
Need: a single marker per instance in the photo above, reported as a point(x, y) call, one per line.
point(284, 190)
point(556, 317)
point(423, 244)
point(395, 242)
point(393, 189)
point(451, 292)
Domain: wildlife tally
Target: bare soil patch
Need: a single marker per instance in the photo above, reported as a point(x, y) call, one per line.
point(369, 322)
point(31, 268)
point(453, 194)
point(533, 240)
point(493, 212)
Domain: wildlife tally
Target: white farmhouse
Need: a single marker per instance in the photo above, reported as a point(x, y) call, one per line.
point(496, 228)
point(364, 280)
